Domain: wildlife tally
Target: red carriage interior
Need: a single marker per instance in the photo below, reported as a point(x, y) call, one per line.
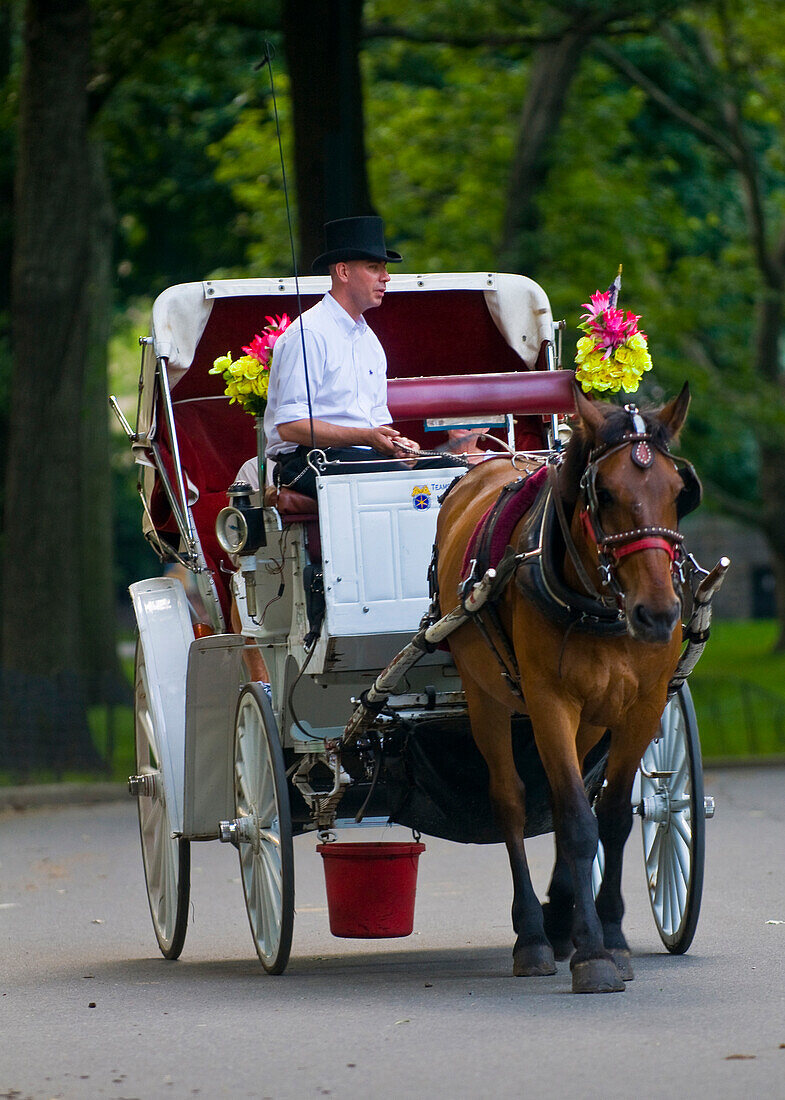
point(425, 335)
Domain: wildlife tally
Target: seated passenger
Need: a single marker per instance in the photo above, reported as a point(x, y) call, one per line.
point(345, 391)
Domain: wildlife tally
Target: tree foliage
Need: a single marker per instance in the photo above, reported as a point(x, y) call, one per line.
point(555, 138)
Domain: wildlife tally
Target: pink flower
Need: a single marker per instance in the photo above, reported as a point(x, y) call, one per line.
point(258, 348)
point(597, 304)
point(261, 347)
point(609, 327)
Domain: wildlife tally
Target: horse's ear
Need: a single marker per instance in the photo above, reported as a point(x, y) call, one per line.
point(673, 415)
point(588, 409)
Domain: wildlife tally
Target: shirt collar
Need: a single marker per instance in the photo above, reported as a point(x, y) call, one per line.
point(346, 323)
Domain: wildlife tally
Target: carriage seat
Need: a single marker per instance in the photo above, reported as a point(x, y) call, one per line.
point(294, 507)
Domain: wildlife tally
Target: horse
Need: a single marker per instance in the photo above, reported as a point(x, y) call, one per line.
point(586, 648)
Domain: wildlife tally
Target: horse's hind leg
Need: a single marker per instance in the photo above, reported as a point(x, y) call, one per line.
point(558, 910)
point(532, 954)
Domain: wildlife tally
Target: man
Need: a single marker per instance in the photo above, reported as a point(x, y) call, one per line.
point(340, 407)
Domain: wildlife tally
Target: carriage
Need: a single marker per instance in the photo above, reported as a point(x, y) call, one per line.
point(365, 720)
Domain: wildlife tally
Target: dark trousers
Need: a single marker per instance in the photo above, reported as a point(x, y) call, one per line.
point(292, 470)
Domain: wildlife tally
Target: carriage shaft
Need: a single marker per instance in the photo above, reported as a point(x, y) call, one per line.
point(423, 641)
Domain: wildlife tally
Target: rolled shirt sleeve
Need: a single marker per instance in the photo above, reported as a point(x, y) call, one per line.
point(347, 374)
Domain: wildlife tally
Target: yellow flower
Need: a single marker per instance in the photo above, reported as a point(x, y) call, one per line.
point(221, 364)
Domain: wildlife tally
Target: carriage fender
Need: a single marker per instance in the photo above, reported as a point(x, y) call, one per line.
point(165, 635)
point(193, 685)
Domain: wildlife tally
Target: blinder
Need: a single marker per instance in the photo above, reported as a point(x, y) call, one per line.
point(692, 493)
point(687, 501)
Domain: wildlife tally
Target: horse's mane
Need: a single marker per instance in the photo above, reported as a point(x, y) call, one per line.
point(615, 424)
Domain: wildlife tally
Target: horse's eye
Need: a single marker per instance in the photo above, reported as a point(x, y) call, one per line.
point(604, 497)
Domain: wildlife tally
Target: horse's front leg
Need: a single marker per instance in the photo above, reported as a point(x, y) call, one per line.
point(614, 819)
point(593, 968)
point(532, 953)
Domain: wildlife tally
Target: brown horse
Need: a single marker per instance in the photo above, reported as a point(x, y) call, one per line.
point(604, 666)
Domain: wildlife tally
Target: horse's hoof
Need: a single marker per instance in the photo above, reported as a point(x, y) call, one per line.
point(562, 949)
point(623, 961)
point(533, 961)
point(596, 976)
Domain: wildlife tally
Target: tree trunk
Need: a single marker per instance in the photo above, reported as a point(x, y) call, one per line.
point(554, 66)
point(322, 49)
point(43, 652)
point(768, 341)
point(99, 637)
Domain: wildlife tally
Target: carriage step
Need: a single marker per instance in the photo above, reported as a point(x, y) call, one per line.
point(144, 786)
point(708, 806)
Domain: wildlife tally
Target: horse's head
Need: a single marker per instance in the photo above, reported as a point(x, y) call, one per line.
point(627, 493)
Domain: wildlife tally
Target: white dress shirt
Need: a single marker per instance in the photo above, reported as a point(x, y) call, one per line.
point(347, 374)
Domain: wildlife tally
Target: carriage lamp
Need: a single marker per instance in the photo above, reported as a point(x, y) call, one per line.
point(240, 526)
point(240, 530)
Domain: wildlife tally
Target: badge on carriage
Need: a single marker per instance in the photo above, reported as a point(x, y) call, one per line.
point(421, 497)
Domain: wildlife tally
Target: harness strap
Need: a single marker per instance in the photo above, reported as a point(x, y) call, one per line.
point(510, 675)
point(572, 549)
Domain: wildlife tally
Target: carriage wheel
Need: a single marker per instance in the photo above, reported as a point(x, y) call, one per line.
point(673, 817)
point(264, 829)
point(167, 862)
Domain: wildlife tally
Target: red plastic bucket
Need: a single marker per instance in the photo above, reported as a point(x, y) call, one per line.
point(371, 888)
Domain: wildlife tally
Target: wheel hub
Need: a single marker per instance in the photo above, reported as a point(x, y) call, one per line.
point(144, 786)
point(243, 830)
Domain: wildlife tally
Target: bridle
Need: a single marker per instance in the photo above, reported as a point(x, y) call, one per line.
point(611, 549)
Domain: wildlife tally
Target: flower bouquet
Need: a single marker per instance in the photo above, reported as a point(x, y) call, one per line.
point(614, 355)
point(248, 378)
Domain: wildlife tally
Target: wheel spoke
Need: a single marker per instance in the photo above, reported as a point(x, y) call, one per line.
point(652, 851)
point(682, 827)
point(261, 784)
point(243, 785)
point(674, 858)
point(681, 849)
point(676, 905)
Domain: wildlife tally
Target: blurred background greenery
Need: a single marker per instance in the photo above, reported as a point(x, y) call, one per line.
point(557, 139)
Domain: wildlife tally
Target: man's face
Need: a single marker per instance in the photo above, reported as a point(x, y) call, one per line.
point(365, 283)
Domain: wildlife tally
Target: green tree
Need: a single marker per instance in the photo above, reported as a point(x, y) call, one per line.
point(58, 626)
point(718, 74)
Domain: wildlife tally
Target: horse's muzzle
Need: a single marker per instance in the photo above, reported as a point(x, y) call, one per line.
point(655, 627)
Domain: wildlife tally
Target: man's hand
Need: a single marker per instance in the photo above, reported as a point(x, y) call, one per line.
point(384, 439)
point(389, 441)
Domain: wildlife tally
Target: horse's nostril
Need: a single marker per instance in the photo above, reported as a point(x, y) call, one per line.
point(642, 616)
point(656, 625)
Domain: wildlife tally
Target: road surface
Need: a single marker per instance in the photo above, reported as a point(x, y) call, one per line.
point(89, 1009)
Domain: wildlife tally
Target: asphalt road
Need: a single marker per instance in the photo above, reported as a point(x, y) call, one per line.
point(89, 1009)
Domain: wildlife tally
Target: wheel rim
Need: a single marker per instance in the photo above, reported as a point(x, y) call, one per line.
point(673, 825)
point(264, 827)
point(166, 861)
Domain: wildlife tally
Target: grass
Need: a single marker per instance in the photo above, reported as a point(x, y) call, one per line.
point(739, 691)
point(744, 650)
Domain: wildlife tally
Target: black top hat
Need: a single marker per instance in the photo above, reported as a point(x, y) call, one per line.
point(353, 239)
